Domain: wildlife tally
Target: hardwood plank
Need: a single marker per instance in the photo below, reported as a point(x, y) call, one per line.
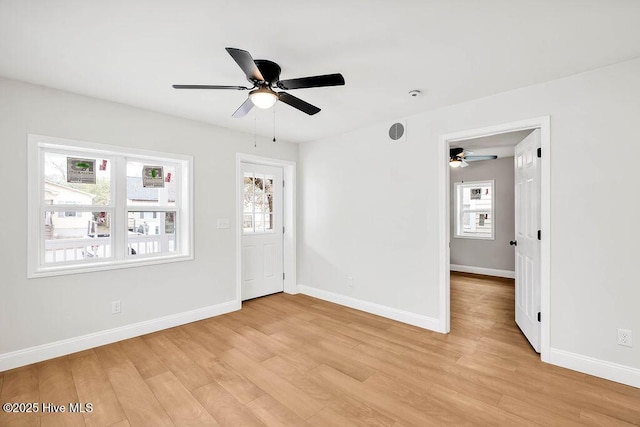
point(139, 403)
point(301, 360)
point(239, 342)
point(238, 386)
point(189, 373)
point(419, 400)
point(327, 352)
point(225, 408)
point(330, 417)
point(93, 386)
point(277, 387)
point(182, 407)
point(390, 406)
point(274, 413)
point(197, 331)
point(62, 420)
point(593, 418)
point(20, 381)
point(344, 406)
point(111, 355)
point(146, 361)
point(537, 414)
point(298, 379)
point(21, 419)
point(57, 387)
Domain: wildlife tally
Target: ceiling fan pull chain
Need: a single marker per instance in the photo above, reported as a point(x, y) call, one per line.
point(274, 123)
point(255, 142)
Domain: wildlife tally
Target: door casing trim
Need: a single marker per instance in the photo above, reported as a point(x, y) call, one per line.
point(288, 219)
point(544, 124)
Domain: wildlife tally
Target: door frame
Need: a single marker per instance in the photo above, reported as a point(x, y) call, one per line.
point(288, 219)
point(544, 124)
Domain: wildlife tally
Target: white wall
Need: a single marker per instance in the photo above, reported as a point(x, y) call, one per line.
point(369, 208)
point(494, 254)
point(42, 311)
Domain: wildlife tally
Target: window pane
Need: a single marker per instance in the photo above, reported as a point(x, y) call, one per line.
point(151, 184)
point(247, 223)
point(76, 236)
point(268, 223)
point(151, 232)
point(477, 223)
point(93, 174)
point(259, 219)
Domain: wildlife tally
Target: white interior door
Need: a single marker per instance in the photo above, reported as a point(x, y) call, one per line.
point(262, 231)
point(527, 224)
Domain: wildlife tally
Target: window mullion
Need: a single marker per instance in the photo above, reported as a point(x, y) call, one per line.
point(119, 195)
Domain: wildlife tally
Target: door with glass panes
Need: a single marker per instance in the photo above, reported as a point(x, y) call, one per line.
point(262, 230)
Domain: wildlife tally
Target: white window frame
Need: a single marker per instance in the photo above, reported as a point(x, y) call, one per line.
point(118, 208)
point(459, 233)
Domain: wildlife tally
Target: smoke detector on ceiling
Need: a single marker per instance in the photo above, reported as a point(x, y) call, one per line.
point(415, 92)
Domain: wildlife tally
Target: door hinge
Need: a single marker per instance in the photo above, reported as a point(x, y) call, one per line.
point(282, 276)
point(539, 152)
point(283, 183)
point(282, 230)
point(539, 234)
point(538, 316)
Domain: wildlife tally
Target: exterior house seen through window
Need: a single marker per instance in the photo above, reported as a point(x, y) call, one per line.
point(95, 206)
point(474, 210)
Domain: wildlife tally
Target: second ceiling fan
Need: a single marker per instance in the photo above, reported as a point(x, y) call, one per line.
point(458, 157)
point(265, 76)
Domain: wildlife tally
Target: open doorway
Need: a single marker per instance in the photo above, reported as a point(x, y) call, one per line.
point(478, 141)
point(482, 211)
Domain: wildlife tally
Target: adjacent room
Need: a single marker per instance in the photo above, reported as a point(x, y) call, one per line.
point(342, 213)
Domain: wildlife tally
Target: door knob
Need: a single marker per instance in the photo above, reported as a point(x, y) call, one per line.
point(513, 242)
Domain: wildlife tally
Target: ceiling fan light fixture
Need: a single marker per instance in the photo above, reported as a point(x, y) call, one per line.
point(455, 162)
point(263, 97)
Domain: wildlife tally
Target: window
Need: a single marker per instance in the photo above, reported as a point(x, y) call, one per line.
point(474, 210)
point(258, 203)
point(95, 207)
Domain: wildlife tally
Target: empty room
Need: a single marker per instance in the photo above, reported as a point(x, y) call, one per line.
point(341, 213)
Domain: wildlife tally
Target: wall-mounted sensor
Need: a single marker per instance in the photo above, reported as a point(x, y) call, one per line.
point(414, 92)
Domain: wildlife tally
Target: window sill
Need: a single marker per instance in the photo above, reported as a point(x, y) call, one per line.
point(103, 266)
point(474, 237)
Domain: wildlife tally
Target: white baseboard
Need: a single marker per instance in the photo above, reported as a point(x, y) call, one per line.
point(484, 271)
point(596, 367)
point(373, 308)
point(39, 353)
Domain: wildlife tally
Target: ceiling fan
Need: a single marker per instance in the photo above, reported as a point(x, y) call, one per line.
point(265, 75)
point(458, 157)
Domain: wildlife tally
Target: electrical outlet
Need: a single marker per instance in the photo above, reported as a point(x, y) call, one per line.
point(625, 338)
point(115, 307)
point(349, 282)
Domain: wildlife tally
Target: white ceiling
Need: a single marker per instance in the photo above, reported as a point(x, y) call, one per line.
point(131, 51)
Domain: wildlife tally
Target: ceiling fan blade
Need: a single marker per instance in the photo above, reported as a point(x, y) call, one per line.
point(209, 87)
point(298, 103)
point(463, 164)
point(477, 158)
point(314, 81)
point(246, 62)
point(243, 109)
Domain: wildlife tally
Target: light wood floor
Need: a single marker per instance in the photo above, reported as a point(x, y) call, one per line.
point(295, 360)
